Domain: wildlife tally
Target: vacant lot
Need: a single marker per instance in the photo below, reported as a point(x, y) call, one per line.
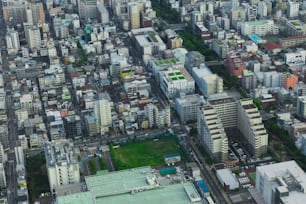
point(144, 153)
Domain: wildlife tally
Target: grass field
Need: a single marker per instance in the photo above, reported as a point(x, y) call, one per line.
point(144, 153)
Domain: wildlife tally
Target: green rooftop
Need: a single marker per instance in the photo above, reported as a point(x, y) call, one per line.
point(165, 62)
point(119, 181)
point(79, 198)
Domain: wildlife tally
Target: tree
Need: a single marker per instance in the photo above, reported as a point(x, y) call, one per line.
point(257, 103)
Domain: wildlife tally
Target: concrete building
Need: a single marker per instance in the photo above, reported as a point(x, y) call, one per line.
point(91, 125)
point(193, 59)
point(295, 28)
point(283, 182)
point(73, 126)
point(292, 41)
point(173, 39)
point(293, 9)
point(300, 89)
point(262, 9)
point(32, 35)
point(62, 163)
point(234, 64)
point(157, 117)
point(271, 79)
point(103, 113)
point(211, 133)
point(207, 82)
point(295, 58)
point(103, 14)
point(227, 179)
point(175, 82)
point(134, 15)
point(187, 107)
point(138, 186)
point(220, 47)
point(26, 103)
point(288, 80)
point(248, 80)
point(14, 11)
point(261, 28)
point(2, 177)
point(301, 107)
point(87, 9)
point(300, 144)
point(234, 4)
point(147, 41)
point(255, 136)
point(35, 13)
point(12, 40)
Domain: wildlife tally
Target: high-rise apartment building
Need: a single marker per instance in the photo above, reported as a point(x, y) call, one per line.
point(103, 113)
point(262, 9)
point(293, 9)
point(12, 40)
point(62, 163)
point(211, 133)
point(157, 117)
point(14, 11)
point(134, 15)
point(2, 177)
point(224, 111)
point(87, 9)
point(255, 136)
point(32, 35)
point(301, 107)
point(283, 182)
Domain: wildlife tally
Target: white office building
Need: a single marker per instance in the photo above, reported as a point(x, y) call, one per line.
point(175, 82)
point(295, 58)
point(283, 182)
point(261, 28)
point(207, 82)
point(12, 40)
point(62, 163)
point(2, 177)
point(157, 117)
point(262, 9)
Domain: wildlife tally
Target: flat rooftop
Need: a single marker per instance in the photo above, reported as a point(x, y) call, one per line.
point(118, 182)
point(172, 194)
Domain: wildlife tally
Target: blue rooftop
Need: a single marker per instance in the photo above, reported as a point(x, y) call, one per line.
point(203, 186)
point(172, 155)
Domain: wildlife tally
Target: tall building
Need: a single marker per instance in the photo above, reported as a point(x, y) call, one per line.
point(248, 80)
point(255, 136)
point(157, 117)
point(87, 9)
point(103, 15)
point(103, 113)
point(295, 28)
point(12, 40)
point(62, 163)
point(234, 4)
point(37, 13)
point(14, 11)
point(134, 15)
point(301, 107)
point(283, 182)
point(33, 37)
point(293, 9)
point(243, 115)
point(187, 107)
point(2, 178)
point(73, 127)
point(2, 154)
point(262, 9)
point(211, 133)
point(235, 64)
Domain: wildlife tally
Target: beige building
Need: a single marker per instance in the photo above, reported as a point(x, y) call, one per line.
point(134, 15)
point(211, 133)
point(251, 126)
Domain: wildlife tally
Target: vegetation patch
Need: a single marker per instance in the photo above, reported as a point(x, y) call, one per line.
point(149, 152)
